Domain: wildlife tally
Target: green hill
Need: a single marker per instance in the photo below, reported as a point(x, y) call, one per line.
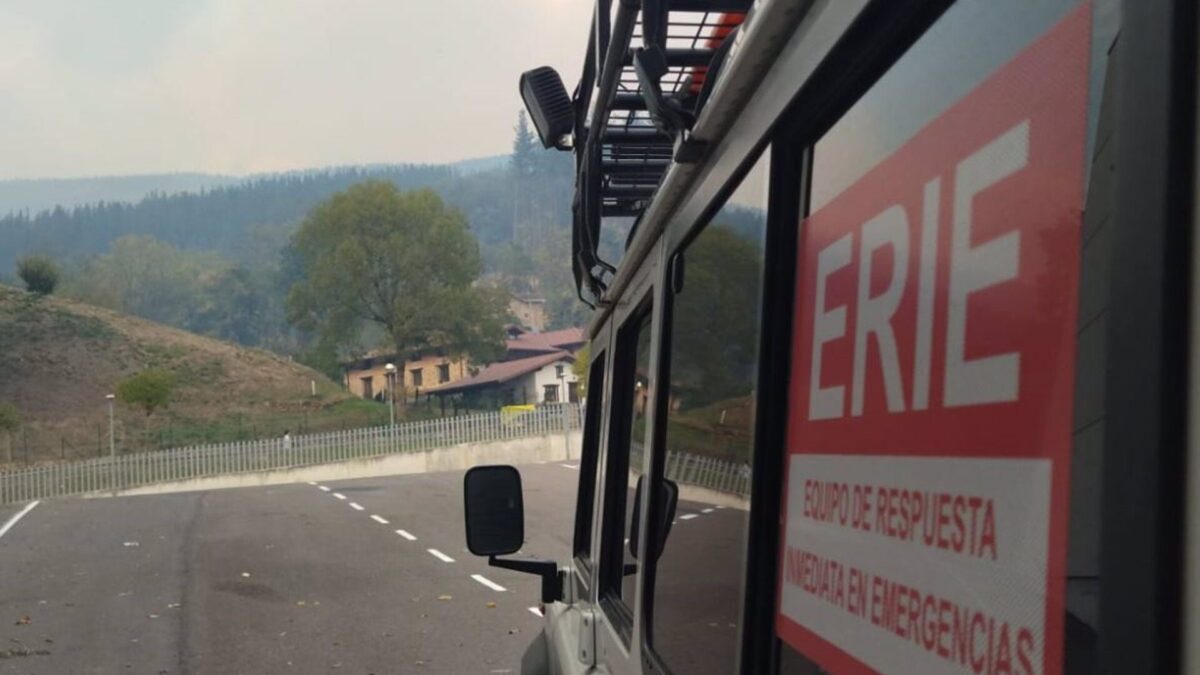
point(59, 359)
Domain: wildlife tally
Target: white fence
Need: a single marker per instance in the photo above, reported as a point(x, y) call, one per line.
point(146, 468)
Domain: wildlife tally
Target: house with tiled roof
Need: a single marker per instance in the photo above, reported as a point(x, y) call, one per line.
point(521, 344)
point(535, 368)
point(541, 378)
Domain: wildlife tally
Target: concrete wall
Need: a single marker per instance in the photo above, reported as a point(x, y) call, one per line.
point(457, 458)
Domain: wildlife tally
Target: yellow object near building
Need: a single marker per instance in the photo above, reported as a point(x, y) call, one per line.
point(511, 413)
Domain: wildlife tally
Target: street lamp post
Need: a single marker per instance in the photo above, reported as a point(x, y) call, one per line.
point(391, 377)
point(564, 406)
point(112, 444)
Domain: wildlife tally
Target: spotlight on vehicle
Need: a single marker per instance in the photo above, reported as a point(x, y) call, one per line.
point(549, 107)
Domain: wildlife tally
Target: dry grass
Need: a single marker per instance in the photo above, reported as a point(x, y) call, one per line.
point(59, 358)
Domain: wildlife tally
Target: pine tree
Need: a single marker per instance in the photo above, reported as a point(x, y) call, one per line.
point(524, 155)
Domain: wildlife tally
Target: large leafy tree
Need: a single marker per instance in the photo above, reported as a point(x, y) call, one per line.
point(374, 257)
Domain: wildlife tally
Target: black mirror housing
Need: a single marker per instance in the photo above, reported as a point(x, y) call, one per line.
point(668, 497)
point(494, 510)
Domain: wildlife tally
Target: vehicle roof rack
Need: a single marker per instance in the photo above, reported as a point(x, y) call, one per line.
point(640, 92)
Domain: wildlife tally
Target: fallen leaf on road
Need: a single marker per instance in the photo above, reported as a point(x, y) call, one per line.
point(246, 575)
point(24, 621)
point(300, 603)
point(491, 604)
point(174, 605)
point(444, 598)
point(151, 616)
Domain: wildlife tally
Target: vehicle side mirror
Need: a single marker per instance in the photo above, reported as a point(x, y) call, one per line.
point(494, 510)
point(668, 497)
point(495, 518)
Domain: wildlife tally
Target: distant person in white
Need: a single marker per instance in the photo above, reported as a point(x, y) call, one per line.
point(287, 439)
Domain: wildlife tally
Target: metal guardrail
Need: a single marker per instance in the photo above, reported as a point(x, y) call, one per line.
point(65, 479)
point(702, 471)
point(709, 472)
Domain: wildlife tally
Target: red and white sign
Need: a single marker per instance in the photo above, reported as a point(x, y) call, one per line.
point(932, 382)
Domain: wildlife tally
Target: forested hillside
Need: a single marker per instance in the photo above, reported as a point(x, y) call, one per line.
point(216, 261)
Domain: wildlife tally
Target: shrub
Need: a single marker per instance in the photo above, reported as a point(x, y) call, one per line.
point(149, 390)
point(10, 418)
point(39, 273)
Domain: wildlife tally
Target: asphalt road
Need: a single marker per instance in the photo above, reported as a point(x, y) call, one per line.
point(282, 579)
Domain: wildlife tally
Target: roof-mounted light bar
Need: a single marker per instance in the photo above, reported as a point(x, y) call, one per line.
point(549, 107)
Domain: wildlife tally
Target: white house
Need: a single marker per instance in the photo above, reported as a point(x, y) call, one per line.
point(544, 378)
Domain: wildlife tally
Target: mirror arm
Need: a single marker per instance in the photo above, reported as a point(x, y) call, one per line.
point(552, 583)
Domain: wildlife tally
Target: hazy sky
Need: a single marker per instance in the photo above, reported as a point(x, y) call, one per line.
point(99, 87)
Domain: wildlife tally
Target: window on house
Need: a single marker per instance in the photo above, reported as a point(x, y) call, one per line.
point(444, 373)
point(573, 392)
point(551, 393)
point(558, 371)
point(416, 377)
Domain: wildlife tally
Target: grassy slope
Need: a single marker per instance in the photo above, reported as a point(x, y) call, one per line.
point(58, 360)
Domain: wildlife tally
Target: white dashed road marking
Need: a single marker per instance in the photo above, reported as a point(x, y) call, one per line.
point(339, 495)
point(312, 482)
point(570, 466)
point(536, 611)
point(323, 488)
point(355, 506)
point(379, 519)
point(488, 582)
point(689, 516)
point(706, 510)
point(440, 556)
point(406, 535)
point(21, 514)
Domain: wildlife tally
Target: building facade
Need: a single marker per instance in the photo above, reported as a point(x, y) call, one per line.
point(368, 377)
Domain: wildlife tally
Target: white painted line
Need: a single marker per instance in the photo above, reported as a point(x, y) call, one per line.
point(323, 488)
point(488, 582)
point(536, 611)
point(21, 514)
point(406, 535)
point(339, 495)
point(720, 507)
point(440, 556)
point(379, 519)
point(706, 510)
point(312, 482)
point(689, 516)
point(570, 466)
point(355, 506)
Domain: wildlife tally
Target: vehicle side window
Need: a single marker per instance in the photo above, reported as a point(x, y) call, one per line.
point(928, 381)
point(699, 578)
point(585, 500)
point(631, 396)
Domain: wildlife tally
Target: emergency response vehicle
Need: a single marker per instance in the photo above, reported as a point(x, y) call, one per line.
point(890, 360)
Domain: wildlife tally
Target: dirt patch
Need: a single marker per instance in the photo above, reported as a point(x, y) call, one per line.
point(250, 589)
